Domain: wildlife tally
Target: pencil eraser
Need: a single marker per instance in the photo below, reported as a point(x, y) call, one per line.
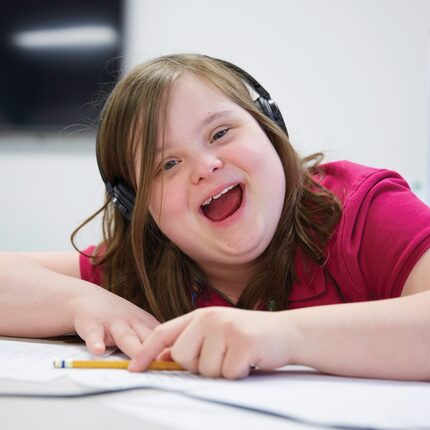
point(59, 363)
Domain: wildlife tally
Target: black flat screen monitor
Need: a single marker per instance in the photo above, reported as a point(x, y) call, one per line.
point(59, 59)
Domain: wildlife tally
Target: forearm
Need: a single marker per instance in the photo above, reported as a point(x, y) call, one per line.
point(384, 339)
point(35, 301)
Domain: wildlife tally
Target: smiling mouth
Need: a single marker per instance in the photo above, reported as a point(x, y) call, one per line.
point(224, 206)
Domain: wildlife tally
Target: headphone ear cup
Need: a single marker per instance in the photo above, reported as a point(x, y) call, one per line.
point(123, 199)
point(269, 108)
point(126, 193)
point(264, 107)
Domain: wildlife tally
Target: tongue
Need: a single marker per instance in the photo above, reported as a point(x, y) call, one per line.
point(224, 206)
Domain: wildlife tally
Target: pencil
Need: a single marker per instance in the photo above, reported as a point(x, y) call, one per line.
point(111, 364)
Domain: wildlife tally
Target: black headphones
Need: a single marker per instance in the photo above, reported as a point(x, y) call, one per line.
point(120, 193)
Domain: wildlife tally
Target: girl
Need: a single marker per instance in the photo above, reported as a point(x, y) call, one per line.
point(247, 254)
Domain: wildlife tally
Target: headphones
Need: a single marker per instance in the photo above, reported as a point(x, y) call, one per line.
point(120, 193)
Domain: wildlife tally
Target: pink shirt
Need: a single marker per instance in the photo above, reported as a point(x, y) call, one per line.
point(383, 231)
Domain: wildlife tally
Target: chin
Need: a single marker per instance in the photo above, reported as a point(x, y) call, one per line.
point(246, 250)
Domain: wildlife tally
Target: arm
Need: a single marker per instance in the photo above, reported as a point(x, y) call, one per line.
point(381, 339)
point(42, 295)
point(387, 338)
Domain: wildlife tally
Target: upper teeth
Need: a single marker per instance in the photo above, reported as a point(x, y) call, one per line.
point(217, 196)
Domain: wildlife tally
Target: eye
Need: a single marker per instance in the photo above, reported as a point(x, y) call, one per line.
point(170, 164)
point(219, 134)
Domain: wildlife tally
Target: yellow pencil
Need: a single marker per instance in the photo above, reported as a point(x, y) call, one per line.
point(111, 364)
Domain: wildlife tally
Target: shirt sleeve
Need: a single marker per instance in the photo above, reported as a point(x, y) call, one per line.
point(89, 272)
point(384, 231)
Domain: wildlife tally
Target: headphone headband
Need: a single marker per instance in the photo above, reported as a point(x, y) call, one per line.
point(120, 193)
point(265, 103)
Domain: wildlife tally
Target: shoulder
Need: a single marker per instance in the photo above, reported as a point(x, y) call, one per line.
point(349, 180)
point(384, 229)
point(89, 270)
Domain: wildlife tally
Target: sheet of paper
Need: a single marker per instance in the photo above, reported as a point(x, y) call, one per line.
point(31, 361)
point(298, 392)
point(190, 414)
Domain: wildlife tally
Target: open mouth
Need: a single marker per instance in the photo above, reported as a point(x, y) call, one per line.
point(223, 206)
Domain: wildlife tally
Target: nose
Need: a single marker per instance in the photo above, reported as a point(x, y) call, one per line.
point(204, 166)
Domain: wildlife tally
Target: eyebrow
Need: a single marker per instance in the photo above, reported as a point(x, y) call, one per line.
point(215, 116)
point(207, 121)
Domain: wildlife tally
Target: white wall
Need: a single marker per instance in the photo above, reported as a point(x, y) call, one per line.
point(351, 78)
point(49, 185)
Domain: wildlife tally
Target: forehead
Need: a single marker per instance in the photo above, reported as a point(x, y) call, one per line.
point(189, 88)
point(193, 101)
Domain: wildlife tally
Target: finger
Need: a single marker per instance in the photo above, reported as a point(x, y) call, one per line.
point(236, 363)
point(125, 338)
point(210, 360)
point(149, 321)
point(94, 339)
point(186, 349)
point(163, 336)
point(141, 330)
point(165, 355)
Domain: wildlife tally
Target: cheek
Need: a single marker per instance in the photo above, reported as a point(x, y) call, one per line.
point(267, 170)
point(155, 202)
point(276, 178)
point(261, 158)
point(166, 208)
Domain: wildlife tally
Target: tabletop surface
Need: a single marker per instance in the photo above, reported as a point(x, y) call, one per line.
point(323, 400)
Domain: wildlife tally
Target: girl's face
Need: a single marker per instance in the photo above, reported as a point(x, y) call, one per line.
point(213, 146)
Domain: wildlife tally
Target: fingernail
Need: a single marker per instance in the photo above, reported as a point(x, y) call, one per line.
point(98, 346)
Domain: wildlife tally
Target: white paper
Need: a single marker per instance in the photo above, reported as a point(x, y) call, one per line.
point(294, 391)
point(32, 361)
point(301, 393)
point(182, 413)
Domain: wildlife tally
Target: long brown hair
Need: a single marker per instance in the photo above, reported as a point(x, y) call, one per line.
point(142, 265)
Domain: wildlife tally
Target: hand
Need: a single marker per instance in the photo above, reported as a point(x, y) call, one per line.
point(104, 319)
point(220, 341)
